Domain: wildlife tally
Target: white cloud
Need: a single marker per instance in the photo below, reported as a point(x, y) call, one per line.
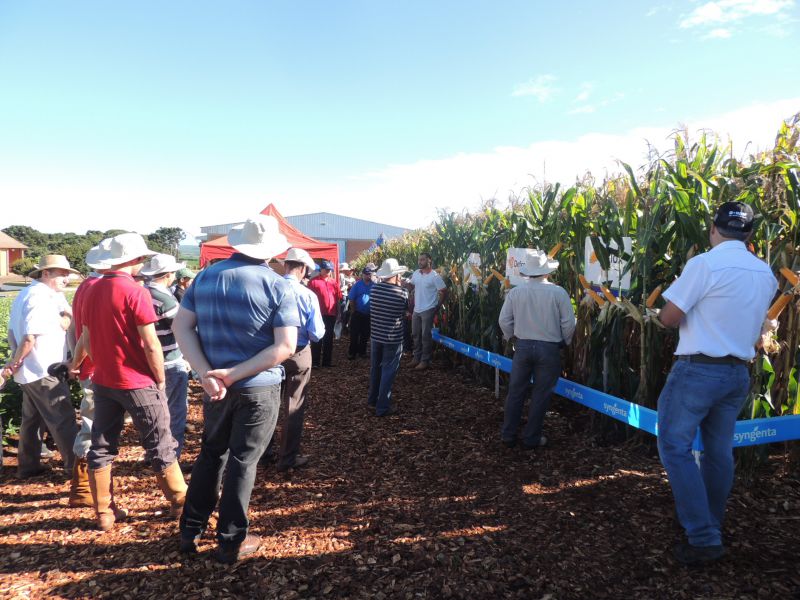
point(719, 34)
point(586, 91)
point(731, 11)
point(53, 199)
point(582, 110)
point(541, 88)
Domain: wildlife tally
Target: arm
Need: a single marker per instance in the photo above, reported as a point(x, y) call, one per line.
point(567, 319)
point(442, 296)
point(272, 356)
point(184, 328)
point(315, 327)
point(23, 349)
point(153, 352)
point(671, 315)
point(506, 319)
point(82, 350)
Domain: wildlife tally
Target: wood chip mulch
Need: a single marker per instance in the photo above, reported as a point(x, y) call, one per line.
point(424, 504)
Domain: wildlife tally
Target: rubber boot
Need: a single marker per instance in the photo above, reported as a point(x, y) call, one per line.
point(171, 482)
point(80, 494)
point(100, 484)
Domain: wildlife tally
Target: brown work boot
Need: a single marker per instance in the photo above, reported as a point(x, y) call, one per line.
point(171, 482)
point(230, 553)
point(422, 366)
point(80, 494)
point(100, 484)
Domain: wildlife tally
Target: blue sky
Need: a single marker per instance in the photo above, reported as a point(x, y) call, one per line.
point(141, 114)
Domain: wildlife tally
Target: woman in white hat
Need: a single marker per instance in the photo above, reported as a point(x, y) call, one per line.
point(539, 315)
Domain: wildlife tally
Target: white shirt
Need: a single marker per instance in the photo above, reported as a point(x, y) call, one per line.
point(37, 311)
point(426, 290)
point(538, 310)
point(725, 294)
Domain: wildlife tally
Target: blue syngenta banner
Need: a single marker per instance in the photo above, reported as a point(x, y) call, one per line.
point(746, 433)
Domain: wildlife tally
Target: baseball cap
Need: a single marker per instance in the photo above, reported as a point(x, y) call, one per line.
point(368, 270)
point(734, 216)
point(326, 264)
point(184, 272)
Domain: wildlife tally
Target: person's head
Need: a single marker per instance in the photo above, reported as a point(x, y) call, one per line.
point(538, 265)
point(184, 277)
point(54, 271)
point(366, 274)
point(391, 271)
point(161, 269)
point(128, 252)
point(325, 269)
point(732, 221)
point(424, 261)
point(259, 238)
point(345, 269)
point(298, 263)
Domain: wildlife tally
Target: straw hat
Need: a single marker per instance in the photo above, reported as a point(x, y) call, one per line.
point(537, 263)
point(125, 247)
point(160, 264)
point(259, 237)
point(390, 268)
point(52, 261)
point(301, 256)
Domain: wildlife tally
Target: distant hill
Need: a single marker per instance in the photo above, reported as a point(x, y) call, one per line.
point(187, 250)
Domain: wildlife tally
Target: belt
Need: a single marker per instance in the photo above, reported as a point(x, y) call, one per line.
point(712, 360)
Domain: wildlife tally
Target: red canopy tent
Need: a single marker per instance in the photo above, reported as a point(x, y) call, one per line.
point(220, 248)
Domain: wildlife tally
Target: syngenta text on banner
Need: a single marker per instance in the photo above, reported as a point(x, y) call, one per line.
point(595, 273)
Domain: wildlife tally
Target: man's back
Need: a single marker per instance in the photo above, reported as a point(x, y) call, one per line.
point(725, 294)
point(238, 302)
point(113, 310)
point(388, 305)
point(538, 310)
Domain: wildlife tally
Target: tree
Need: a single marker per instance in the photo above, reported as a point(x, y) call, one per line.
point(23, 266)
point(166, 240)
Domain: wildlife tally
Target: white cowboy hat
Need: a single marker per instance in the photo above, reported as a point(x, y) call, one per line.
point(96, 257)
point(390, 268)
point(125, 247)
point(52, 261)
point(301, 256)
point(259, 237)
point(537, 263)
point(160, 264)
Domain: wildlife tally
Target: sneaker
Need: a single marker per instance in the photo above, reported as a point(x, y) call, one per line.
point(392, 411)
point(509, 443)
point(189, 545)
point(542, 443)
point(300, 461)
point(46, 452)
point(422, 366)
point(689, 555)
point(230, 553)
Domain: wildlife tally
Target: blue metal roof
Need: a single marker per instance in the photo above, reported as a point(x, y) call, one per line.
point(325, 225)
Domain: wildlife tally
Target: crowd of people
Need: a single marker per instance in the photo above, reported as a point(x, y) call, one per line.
point(141, 324)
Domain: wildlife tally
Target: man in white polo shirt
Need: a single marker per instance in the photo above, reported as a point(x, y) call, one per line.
point(720, 302)
point(429, 294)
point(40, 317)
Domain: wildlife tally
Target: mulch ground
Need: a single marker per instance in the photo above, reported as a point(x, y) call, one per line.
point(425, 504)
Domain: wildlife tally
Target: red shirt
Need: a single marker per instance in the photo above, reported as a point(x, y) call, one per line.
point(329, 293)
point(87, 366)
point(113, 309)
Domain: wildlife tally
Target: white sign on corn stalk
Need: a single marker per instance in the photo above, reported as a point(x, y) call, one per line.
point(515, 258)
point(595, 273)
point(470, 278)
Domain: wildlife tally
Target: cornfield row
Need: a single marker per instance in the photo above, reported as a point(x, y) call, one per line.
point(666, 207)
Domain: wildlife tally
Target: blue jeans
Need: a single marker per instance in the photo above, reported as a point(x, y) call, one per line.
point(177, 383)
point(543, 361)
point(384, 362)
point(236, 432)
point(709, 397)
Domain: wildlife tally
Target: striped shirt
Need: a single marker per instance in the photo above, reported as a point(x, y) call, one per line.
point(388, 307)
point(166, 307)
point(238, 303)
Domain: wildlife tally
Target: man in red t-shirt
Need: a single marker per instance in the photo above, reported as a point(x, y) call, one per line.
point(119, 333)
point(329, 295)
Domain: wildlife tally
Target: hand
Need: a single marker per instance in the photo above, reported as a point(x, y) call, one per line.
point(651, 314)
point(213, 386)
point(225, 376)
point(161, 385)
point(768, 326)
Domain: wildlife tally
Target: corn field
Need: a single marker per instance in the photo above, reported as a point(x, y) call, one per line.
point(666, 207)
